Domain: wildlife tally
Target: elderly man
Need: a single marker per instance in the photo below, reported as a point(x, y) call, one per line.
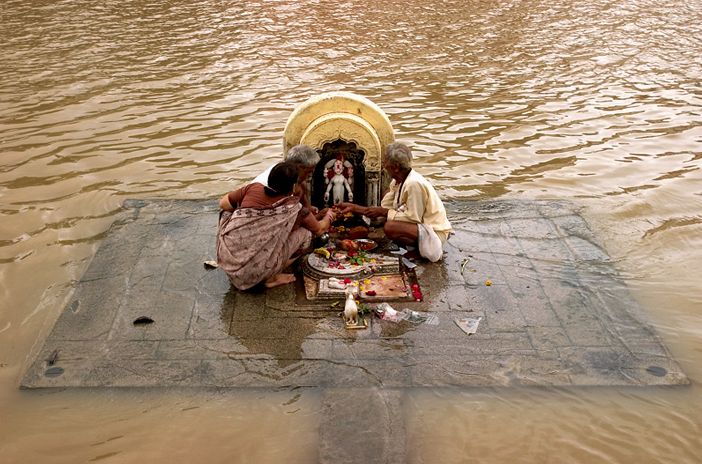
point(305, 158)
point(413, 210)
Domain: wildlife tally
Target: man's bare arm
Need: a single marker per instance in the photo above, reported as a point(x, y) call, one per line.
point(372, 212)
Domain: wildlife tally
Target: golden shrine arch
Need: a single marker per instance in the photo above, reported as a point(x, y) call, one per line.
point(350, 134)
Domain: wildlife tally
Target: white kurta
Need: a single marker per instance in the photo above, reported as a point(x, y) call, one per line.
point(416, 201)
point(263, 177)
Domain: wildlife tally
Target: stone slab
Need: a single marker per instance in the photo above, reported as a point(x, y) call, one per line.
point(555, 314)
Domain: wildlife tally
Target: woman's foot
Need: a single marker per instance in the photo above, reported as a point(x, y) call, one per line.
point(279, 279)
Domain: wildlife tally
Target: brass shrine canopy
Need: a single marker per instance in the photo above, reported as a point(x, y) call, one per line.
point(348, 130)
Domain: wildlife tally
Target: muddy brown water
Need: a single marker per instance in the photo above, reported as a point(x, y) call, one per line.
point(598, 102)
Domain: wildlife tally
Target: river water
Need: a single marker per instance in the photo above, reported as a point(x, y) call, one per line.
point(599, 102)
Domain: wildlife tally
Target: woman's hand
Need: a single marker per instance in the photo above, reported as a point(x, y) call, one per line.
point(330, 215)
point(319, 215)
point(320, 223)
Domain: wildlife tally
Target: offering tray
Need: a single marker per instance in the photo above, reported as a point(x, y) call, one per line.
point(389, 287)
point(318, 267)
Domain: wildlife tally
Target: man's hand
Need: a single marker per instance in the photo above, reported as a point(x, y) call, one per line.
point(349, 208)
point(375, 212)
point(372, 212)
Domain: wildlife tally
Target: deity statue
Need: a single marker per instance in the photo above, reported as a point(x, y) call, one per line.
point(339, 179)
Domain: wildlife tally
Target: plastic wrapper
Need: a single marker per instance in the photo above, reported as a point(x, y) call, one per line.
point(387, 313)
point(418, 318)
point(468, 324)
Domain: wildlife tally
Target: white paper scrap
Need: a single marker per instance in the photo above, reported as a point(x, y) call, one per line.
point(468, 324)
point(401, 251)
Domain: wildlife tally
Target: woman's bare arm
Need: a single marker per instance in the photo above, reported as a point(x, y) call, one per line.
point(234, 197)
point(311, 223)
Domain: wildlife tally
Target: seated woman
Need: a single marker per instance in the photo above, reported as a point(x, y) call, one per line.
point(261, 228)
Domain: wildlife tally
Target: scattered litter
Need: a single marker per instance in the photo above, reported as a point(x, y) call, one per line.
point(211, 265)
point(387, 313)
point(463, 264)
point(468, 324)
point(52, 358)
point(401, 252)
point(488, 283)
point(408, 264)
point(417, 318)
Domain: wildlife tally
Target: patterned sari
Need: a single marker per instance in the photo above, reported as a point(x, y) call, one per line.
point(254, 244)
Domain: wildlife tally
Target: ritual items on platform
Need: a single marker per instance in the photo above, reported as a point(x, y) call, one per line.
point(350, 259)
point(378, 288)
point(416, 292)
point(361, 323)
point(357, 232)
point(371, 289)
point(338, 284)
point(323, 252)
point(377, 277)
point(350, 306)
point(366, 244)
point(348, 245)
point(349, 226)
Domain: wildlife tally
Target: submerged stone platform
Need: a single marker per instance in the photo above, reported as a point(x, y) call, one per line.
point(146, 313)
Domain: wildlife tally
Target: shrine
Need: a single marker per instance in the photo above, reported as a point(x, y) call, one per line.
point(350, 134)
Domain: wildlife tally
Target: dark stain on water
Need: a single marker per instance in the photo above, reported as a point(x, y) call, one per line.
point(657, 371)
point(53, 371)
point(142, 321)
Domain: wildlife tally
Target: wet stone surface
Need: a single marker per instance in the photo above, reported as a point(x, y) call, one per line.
point(147, 313)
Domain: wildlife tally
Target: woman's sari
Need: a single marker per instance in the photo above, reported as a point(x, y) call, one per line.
point(254, 244)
